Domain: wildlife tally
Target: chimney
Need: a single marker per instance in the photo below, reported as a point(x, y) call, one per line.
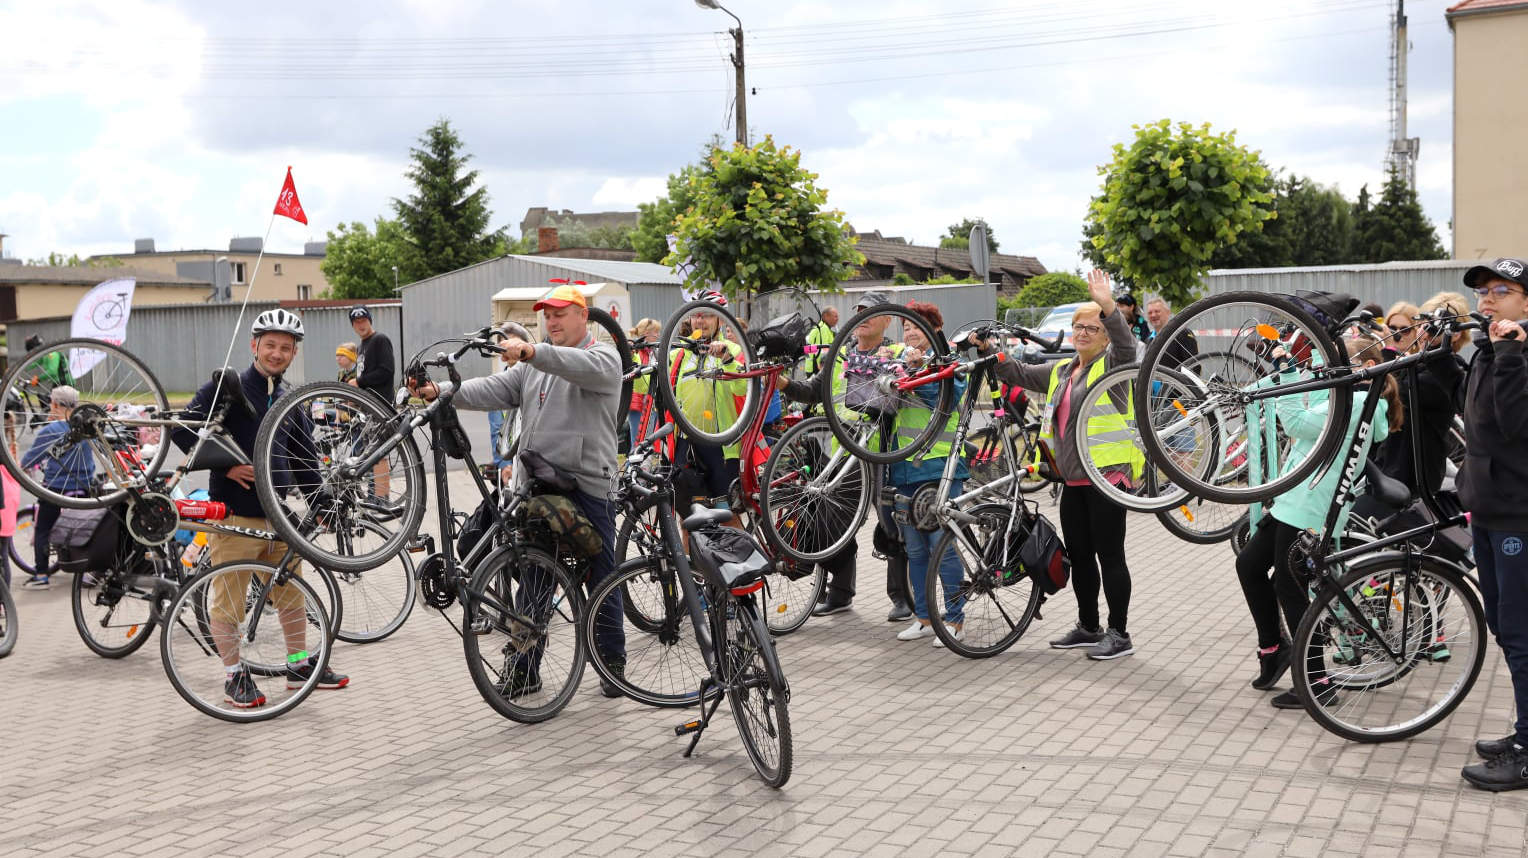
point(546, 239)
point(143, 245)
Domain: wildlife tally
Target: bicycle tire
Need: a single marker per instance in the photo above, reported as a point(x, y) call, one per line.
point(639, 523)
point(982, 579)
point(759, 698)
point(108, 385)
point(852, 432)
point(329, 602)
point(22, 536)
point(1152, 491)
point(499, 583)
point(190, 634)
point(356, 597)
point(114, 589)
point(367, 419)
point(663, 668)
point(1251, 325)
point(804, 480)
point(618, 339)
point(1202, 522)
point(788, 602)
point(1439, 587)
point(691, 424)
point(10, 622)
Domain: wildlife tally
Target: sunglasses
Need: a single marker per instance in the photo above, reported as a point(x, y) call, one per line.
point(1500, 290)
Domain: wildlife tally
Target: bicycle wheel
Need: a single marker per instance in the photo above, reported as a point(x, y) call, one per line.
point(115, 609)
point(756, 690)
point(790, 595)
point(212, 615)
point(813, 495)
point(710, 401)
point(115, 388)
point(520, 618)
point(1255, 323)
point(306, 442)
point(866, 413)
point(21, 547)
point(662, 667)
point(1394, 658)
point(637, 537)
point(10, 627)
point(1203, 522)
point(24, 414)
point(1109, 444)
point(606, 329)
point(378, 601)
point(995, 600)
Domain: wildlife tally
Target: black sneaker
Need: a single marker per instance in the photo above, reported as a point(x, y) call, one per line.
point(241, 691)
point(608, 688)
point(1271, 666)
point(1508, 771)
point(1078, 637)
point(826, 607)
point(899, 612)
point(382, 509)
point(1326, 695)
point(298, 674)
point(1490, 749)
point(1114, 645)
point(523, 683)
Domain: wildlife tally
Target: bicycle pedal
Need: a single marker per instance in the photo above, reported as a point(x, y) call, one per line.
point(689, 727)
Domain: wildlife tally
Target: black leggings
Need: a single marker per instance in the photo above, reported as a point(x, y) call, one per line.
point(1094, 531)
point(1269, 549)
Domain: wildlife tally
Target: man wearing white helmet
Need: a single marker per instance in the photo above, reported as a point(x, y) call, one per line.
point(274, 342)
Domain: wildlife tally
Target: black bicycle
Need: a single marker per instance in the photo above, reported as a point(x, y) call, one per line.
point(719, 596)
point(9, 622)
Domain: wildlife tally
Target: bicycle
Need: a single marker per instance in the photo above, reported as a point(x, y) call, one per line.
point(10, 623)
point(719, 595)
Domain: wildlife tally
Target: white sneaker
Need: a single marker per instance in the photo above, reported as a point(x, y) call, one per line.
point(915, 631)
point(959, 634)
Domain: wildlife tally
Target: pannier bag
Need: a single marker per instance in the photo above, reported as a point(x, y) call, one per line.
point(476, 525)
point(728, 556)
point(567, 522)
point(783, 337)
point(1045, 556)
point(86, 539)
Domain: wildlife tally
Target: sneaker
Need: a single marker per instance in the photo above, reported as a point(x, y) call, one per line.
point(899, 612)
point(1114, 645)
point(608, 688)
point(298, 674)
point(523, 683)
point(959, 634)
point(916, 631)
point(1271, 666)
point(1078, 637)
point(241, 691)
point(37, 582)
point(1326, 695)
point(826, 607)
point(382, 509)
point(1490, 749)
point(1508, 771)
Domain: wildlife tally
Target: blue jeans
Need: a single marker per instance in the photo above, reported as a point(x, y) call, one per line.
point(919, 545)
point(1502, 559)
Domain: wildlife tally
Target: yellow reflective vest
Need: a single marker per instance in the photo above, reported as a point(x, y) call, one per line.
point(1112, 439)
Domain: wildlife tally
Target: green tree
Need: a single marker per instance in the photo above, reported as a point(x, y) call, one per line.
point(1313, 225)
point(445, 220)
point(657, 220)
point(571, 233)
point(55, 258)
point(959, 235)
point(1170, 200)
point(1395, 227)
point(358, 263)
point(1051, 289)
point(758, 222)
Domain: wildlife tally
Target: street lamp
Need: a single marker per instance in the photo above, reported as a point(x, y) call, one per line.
point(395, 279)
point(737, 64)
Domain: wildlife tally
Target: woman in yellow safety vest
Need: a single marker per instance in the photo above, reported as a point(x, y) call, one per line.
point(1092, 526)
point(643, 337)
point(699, 397)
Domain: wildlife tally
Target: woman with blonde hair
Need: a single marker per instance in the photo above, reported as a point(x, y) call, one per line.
point(1401, 319)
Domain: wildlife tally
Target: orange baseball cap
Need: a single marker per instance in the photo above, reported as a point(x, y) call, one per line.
point(562, 296)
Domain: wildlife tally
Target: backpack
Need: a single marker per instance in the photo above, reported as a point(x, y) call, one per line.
point(1044, 555)
point(782, 337)
point(86, 539)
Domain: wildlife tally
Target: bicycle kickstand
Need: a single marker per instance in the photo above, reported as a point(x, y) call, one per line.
point(699, 725)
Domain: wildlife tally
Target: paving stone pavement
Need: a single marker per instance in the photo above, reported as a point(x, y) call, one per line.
point(900, 749)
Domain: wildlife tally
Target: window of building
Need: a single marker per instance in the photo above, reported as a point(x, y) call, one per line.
point(238, 271)
point(304, 291)
point(278, 269)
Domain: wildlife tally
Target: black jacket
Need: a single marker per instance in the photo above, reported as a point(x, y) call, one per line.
point(1493, 484)
point(1430, 417)
point(378, 369)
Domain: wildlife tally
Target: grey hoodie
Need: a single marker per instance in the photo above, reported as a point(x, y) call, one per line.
point(568, 399)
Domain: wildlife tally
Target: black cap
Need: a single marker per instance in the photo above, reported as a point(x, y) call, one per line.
point(1125, 298)
point(1506, 268)
point(360, 312)
point(872, 299)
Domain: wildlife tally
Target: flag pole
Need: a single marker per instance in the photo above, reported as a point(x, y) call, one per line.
point(249, 290)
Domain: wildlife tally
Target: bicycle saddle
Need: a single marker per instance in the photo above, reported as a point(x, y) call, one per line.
point(701, 517)
point(231, 391)
point(1386, 489)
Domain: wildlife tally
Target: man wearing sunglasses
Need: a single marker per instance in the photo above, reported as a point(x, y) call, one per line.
point(1493, 486)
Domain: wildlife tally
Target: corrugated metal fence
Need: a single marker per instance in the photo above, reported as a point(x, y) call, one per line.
point(1383, 284)
point(182, 344)
point(960, 304)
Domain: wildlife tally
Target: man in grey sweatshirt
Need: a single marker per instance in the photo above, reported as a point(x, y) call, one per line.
point(568, 391)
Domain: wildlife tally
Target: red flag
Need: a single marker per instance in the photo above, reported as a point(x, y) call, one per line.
point(287, 204)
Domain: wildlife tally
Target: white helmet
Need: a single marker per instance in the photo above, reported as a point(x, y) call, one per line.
point(278, 321)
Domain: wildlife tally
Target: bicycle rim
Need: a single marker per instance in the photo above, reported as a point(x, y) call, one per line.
point(638, 537)
point(813, 494)
point(1426, 612)
point(865, 412)
point(664, 665)
point(10, 628)
point(213, 614)
point(707, 402)
point(21, 541)
point(306, 439)
point(375, 602)
point(993, 600)
point(114, 609)
point(520, 634)
point(114, 387)
point(757, 699)
point(788, 601)
point(1203, 522)
point(1112, 458)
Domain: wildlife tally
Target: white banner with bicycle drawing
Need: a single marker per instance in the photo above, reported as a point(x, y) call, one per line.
point(101, 315)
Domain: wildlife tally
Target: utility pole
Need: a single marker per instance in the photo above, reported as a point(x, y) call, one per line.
point(741, 84)
point(1402, 156)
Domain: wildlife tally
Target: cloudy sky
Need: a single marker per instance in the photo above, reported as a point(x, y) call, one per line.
point(130, 119)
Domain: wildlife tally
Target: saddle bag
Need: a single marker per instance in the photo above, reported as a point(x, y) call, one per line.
point(86, 539)
point(728, 557)
point(1044, 555)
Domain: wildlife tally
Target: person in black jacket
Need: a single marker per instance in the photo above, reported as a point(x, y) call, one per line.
point(377, 374)
point(1429, 417)
point(1493, 486)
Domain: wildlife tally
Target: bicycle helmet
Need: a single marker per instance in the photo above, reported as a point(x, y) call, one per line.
point(714, 297)
point(277, 321)
point(360, 311)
